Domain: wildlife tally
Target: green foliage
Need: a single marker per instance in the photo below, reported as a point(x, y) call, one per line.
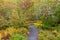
point(18, 36)
point(56, 10)
point(14, 14)
point(47, 35)
point(50, 22)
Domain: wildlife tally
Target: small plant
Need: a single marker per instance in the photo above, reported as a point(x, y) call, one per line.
point(18, 36)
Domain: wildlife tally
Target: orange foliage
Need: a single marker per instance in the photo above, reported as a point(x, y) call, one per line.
point(5, 34)
point(25, 4)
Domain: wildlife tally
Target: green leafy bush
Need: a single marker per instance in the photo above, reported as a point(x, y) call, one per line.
point(18, 36)
point(56, 10)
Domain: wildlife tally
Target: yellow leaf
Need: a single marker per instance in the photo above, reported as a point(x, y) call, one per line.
point(38, 23)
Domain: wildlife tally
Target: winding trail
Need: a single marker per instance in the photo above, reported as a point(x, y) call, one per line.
point(33, 35)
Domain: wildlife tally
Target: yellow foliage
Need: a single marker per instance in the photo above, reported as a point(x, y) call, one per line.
point(38, 23)
point(0, 35)
point(25, 31)
point(15, 14)
point(55, 31)
point(11, 30)
point(8, 0)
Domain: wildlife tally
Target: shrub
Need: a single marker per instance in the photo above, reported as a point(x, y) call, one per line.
point(18, 36)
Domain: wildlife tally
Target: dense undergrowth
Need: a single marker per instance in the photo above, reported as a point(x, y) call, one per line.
point(17, 15)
